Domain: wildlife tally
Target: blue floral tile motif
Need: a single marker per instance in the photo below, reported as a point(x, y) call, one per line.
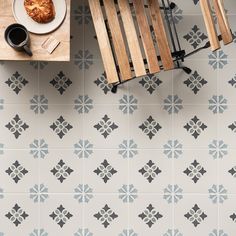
point(1, 104)
point(150, 171)
point(195, 127)
point(216, 232)
point(173, 104)
point(150, 83)
point(61, 216)
point(195, 37)
point(218, 104)
point(83, 59)
point(217, 193)
point(38, 65)
point(106, 215)
point(105, 171)
point(105, 126)
point(39, 104)
point(173, 193)
point(83, 149)
point(195, 171)
point(150, 127)
point(16, 82)
point(218, 149)
point(83, 232)
point(62, 171)
point(128, 232)
point(128, 148)
point(128, 193)
point(218, 59)
point(150, 215)
point(177, 14)
point(102, 83)
point(17, 215)
point(173, 149)
point(39, 193)
point(83, 104)
point(82, 15)
point(61, 127)
point(174, 232)
point(83, 193)
point(128, 104)
point(39, 232)
point(195, 215)
point(1, 193)
point(195, 82)
point(17, 126)
point(1, 149)
point(38, 148)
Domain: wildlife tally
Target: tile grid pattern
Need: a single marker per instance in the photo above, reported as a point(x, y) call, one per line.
point(76, 178)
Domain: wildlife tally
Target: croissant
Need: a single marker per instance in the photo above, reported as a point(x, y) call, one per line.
point(41, 11)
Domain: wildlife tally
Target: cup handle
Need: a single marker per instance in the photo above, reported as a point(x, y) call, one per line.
point(27, 50)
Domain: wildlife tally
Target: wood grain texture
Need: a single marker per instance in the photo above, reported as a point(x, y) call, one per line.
point(222, 19)
point(132, 38)
point(146, 36)
point(103, 41)
point(210, 25)
point(62, 52)
point(160, 34)
point(117, 39)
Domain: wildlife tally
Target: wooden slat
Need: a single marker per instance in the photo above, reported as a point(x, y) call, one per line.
point(223, 21)
point(160, 34)
point(210, 26)
point(117, 39)
point(103, 41)
point(132, 38)
point(146, 36)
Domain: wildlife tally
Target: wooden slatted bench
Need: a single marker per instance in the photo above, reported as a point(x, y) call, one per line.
point(125, 55)
point(226, 34)
point(126, 36)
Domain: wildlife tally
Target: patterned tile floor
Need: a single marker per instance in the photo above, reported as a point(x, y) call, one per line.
point(157, 158)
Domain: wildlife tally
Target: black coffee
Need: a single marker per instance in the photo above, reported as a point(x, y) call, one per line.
point(17, 35)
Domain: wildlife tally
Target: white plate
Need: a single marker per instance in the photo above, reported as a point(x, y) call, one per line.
point(22, 17)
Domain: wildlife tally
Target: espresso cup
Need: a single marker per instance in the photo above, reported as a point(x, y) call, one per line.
point(17, 36)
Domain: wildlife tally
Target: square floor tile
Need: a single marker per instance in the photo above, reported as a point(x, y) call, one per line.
point(197, 87)
point(105, 171)
point(150, 126)
point(19, 126)
point(195, 126)
point(106, 129)
point(61, 215)
point(19, 171)
point(61, 171)
point(150, 171)
point(195, 171)
point(63, 126)
point(19, 215)
point(227, 213)
point(195, 215)
point(19, 82)
point(61, 83)
point(150, 214)
point(106, 215)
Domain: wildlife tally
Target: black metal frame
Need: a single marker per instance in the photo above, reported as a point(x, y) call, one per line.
point(178, 54)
